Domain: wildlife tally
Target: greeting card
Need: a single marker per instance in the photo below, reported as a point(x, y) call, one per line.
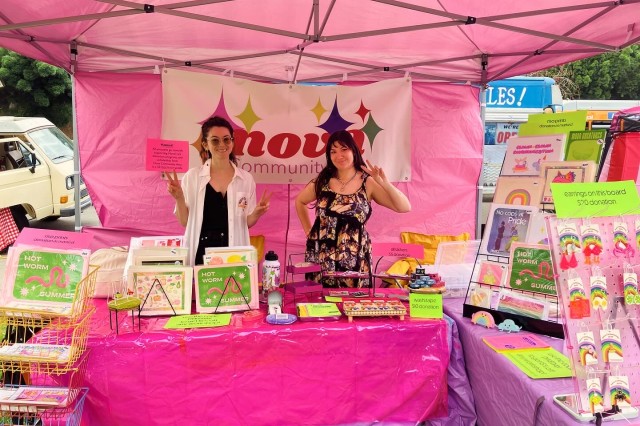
point(226, 287)
point(585, 145)
point(564, 172)
point(519, 304)
point(491, 273)
point(525, 154)
point(518, 190)
point(531, 268)
point(162, 288)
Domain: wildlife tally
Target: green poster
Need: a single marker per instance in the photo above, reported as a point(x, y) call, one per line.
point(585, 145)
point(549, 124)
point(531, 269)
point(224, 286)
point(46, 276)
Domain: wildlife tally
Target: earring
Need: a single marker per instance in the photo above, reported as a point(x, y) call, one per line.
point(564, 262)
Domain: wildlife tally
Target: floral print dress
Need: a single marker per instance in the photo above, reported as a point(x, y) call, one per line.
point(338, 240)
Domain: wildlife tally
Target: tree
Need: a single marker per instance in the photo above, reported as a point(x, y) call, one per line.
point(34, 89)
point(613, 75)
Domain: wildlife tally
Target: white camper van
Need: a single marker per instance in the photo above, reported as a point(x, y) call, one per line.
point(36, 168)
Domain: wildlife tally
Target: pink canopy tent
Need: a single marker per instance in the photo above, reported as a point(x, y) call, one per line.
point(114, 47)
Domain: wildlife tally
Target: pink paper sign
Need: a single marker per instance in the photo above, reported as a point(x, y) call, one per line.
point(54, 239)
point(397, 250)
point(165, 155)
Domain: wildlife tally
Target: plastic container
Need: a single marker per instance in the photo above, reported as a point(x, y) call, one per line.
point(270, 271)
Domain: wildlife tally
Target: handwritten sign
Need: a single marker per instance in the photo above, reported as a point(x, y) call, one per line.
point(595, 199)
point(54, 239)
point(167, 155)
point(198, 321)
point(397, 250)
point(425, 305)
point(540, 364)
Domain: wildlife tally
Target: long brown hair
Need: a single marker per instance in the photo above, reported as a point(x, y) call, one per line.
point(342, 138)
point(215, 121)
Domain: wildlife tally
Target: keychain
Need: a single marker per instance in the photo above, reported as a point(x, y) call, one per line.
point(591, 243)
point(630, 286)
point(599, 293)
point(578, 300)
point(619, 392)
point(587, 348)
point(611, 345)
point(596, 398)
point(621, 245)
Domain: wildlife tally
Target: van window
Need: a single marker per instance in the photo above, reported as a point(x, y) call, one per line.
point(54, 143)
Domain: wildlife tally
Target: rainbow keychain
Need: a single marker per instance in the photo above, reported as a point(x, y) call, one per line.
point(596, 398)
point(569, 244)
point(637, 226)
point(587, 348)
point(591, 243)
point(621, 245)
point(578, 300)
point(599, 293)
point(611, 345)
point(619, 392)
point(630, 286)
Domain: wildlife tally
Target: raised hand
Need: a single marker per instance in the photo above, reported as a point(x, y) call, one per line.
point(376, 173)
point(263, 204)
point(173, 185)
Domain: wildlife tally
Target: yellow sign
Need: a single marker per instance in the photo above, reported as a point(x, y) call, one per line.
point(595, 199)
point(540, 364)
point(198, 321)
point(425, 305)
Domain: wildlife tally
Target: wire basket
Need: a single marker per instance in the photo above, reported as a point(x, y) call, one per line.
point(34, 415)
point(48, 348)
point(24, 315)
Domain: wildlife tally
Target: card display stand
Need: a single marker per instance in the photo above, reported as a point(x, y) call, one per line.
point(551, 326)
point(595, 357)
point(301, 287)
point(46, 351)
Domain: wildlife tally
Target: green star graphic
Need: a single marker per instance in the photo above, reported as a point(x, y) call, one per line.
point(371, 129)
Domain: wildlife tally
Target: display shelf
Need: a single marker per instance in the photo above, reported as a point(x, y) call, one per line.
point(71, 415)
point(54, 348)
point(25, 315)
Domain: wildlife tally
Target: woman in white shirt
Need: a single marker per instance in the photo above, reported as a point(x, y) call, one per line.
point(216, 201)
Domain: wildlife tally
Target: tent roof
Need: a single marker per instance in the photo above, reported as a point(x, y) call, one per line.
point(319, 40)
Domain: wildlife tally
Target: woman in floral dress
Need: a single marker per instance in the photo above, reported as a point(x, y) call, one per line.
point(341, 196)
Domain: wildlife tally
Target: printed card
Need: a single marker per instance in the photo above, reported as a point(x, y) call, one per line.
point(518, 190)
point(585, 145)
point(519, 304)
point(506, 224)
point(480, 296)
point(491, 273)
point(619, 391)
point(596, 398)
point(630, 283)
point(564, 172)
point(587, 348)
point(611, 345)
point(531, 269)
point(226, 287)
point(162, 288)
point(525, 154)
point(599, 293)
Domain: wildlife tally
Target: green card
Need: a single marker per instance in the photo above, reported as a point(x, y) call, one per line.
point(585, 145)
point(43, 276)
point(318, 309)
point(425, 305)
point(549, 124)
point(595, 199)
point(198, 321)
point(540, 364)
point(531, 269)
point(333, 299)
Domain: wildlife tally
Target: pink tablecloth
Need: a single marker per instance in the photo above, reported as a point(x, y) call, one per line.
point(372, 370)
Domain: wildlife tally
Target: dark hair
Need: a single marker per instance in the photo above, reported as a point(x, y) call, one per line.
point(343, 138)
point(215, 121)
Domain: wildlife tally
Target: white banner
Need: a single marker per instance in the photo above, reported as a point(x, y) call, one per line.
point(281, 130)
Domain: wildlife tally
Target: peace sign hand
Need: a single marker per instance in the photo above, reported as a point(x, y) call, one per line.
point(376, 173)
point(263, 204)
point(173, 185)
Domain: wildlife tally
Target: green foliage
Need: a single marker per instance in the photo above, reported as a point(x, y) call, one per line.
point(613, 75)
point(34, 89)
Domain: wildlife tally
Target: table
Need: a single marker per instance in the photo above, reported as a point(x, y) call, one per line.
point(504, 395)
point(374, 369)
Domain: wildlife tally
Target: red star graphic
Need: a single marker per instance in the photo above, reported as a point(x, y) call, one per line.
point(362, 111)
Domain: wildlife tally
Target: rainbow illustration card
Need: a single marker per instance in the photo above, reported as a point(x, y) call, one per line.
point(479, 296)
point(525, 154)
point(619, 391)
point(587, 348)
point(599, 292)
point(506, 224)
point(611, 345)
point(518, 190)
point(564, 172)
point(596, 398)
point(630, 285)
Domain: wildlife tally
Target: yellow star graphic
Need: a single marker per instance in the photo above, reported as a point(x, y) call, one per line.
point(318, 110)
point(248, 117)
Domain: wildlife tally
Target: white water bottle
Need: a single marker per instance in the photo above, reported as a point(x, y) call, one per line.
point(270, 271)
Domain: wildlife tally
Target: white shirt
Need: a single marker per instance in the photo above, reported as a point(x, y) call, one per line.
point(241, 201)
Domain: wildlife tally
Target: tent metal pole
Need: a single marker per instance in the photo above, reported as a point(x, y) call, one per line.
point(76, 156)
point(483, 111)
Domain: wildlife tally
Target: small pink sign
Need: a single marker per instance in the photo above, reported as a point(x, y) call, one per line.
point(54, 239)
point(165, 155)
point(397, 250)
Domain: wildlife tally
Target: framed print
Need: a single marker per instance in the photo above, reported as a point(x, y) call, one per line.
point(163, 287)
point(226, 287)
point(565, 172)
point(238, 254)
point(160, 256)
